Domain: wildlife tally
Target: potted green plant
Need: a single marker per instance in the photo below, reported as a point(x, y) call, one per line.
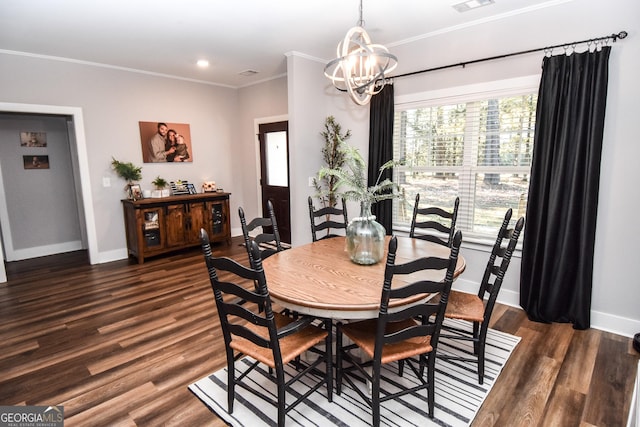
point(327, 186)
point(127, 171)
point(161, 187)
point(365, 236)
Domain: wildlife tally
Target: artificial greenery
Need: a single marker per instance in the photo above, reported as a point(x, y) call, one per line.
point(353, 174)
point(127, 171)
point(327, 186)
point(160, 183)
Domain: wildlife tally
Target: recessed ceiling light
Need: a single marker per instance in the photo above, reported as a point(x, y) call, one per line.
point(471, 4)
point(202, 63)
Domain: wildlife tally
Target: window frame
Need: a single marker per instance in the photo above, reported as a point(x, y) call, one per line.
point(466, 94)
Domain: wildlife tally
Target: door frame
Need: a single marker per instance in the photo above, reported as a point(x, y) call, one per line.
point(83, 170)
point(256, 131)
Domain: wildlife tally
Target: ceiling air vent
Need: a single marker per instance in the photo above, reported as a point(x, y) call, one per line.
point(248, 73)
point(471, 4)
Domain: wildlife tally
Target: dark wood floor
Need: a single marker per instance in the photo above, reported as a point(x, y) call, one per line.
point(118, 344)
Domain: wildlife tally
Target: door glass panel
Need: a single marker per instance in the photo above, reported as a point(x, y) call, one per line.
point(276, 151)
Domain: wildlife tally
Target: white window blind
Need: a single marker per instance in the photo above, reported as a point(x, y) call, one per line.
point(478, 149)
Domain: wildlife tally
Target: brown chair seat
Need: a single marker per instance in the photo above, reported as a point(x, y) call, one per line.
point(360, 334)
point(465, 306)
point(291, 346)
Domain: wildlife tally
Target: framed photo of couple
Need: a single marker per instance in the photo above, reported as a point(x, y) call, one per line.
point(165, 142)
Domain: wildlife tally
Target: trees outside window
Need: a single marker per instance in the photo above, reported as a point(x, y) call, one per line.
point(478, 148)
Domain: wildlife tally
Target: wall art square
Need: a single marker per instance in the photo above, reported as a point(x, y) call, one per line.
point(164, 142)
point(33, 139)
point(36, 162)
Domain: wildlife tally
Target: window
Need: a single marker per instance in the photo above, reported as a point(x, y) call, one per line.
point(476, 146)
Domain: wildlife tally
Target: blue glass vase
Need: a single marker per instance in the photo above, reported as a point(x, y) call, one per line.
point(365, 237)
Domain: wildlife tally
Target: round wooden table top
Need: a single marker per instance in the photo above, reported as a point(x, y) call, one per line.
point(319, 279)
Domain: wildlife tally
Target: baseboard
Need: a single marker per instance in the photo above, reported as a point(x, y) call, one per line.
point(39, 251)
point(114, 255)
point(603, 321)
point(615, 324)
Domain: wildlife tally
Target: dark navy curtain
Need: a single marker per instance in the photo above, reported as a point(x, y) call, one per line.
point(557, 255)
point(381, 111)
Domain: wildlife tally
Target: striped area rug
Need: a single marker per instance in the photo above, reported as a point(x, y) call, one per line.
point(458, 394)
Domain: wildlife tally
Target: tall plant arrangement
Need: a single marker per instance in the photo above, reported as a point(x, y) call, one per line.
point(327, 185)
point(353, 175)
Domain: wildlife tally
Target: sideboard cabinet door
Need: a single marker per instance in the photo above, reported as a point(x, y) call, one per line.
point(219, 221)
point(174, 223)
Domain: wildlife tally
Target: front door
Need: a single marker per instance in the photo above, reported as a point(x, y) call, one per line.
point(274, 174)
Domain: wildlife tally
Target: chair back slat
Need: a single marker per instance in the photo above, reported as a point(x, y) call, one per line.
point(269, 233)
point(327, 218)
point(440, 223)
point(330, 225)
point(418, 330)
point(499, 260)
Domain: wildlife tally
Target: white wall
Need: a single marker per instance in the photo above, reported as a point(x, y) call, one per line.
point(616, 287)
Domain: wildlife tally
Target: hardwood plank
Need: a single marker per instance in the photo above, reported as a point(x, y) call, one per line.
point(607, 402)
point(564, 407)
point(579, 361)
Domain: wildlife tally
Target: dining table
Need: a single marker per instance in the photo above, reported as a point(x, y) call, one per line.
point(319, 278)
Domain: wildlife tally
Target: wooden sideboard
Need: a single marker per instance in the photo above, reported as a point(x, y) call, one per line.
point(157, 226)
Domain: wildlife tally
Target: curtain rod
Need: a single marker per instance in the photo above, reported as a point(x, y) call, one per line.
point(614, 37)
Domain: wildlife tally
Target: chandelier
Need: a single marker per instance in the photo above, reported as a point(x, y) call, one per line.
point(360, 65)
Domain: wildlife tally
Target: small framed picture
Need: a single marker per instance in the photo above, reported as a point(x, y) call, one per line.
point(192, 188)
point(179, 188)
point(135, 192)
point(33, 139)
point(36, 162)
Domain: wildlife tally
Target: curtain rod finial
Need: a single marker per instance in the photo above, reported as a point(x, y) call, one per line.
point(621, 35)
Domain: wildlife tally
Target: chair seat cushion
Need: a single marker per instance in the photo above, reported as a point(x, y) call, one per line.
point(291, 346)
point(363, 334)
point(465, 306)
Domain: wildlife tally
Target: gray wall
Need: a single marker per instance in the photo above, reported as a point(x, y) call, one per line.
point(41, 214)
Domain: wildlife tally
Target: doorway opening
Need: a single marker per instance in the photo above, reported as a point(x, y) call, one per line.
point(274, 173)
point(81, 181)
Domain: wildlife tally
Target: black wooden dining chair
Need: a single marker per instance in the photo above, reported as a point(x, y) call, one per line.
point(433, 220)
point(324, 220)
point(477, 309)
point(251, 328)
point(268, 238)
point(409, 334)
